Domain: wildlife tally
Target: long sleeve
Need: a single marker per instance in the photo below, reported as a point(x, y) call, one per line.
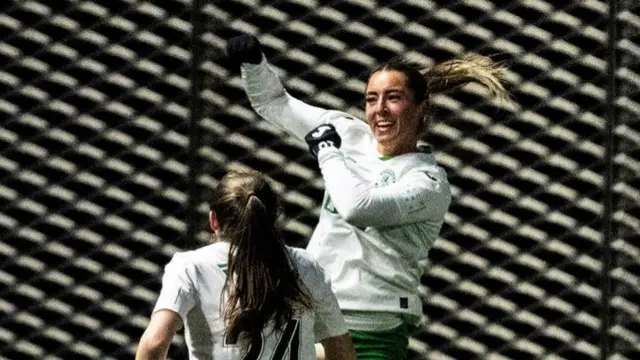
point(270, 100)
point(416, 196)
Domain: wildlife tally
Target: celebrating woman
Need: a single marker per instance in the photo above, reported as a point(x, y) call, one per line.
point(385, 196)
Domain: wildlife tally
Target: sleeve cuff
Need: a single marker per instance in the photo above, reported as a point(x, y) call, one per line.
point(328, 153)
point(249, 67)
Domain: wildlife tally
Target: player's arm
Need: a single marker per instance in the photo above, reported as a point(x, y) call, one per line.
point(336, 348)
point(175, 301)
point(417, 196)
point(156, 339)
point(265, 91)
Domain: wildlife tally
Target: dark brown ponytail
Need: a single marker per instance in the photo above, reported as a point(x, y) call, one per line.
point(262, 285)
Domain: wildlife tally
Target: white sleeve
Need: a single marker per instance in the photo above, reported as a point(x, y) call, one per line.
point(270, 100)
point(178, 291)
point(416, 196)
point(329, 321)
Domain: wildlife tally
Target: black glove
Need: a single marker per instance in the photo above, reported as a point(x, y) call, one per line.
point(321, 137)
point(244, 49)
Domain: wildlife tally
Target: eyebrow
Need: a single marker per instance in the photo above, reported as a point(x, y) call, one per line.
point(387, 91)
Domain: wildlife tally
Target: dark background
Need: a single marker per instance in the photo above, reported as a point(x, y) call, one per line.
point(118, 116)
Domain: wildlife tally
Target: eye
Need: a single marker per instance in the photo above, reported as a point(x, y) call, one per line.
point(370, 99)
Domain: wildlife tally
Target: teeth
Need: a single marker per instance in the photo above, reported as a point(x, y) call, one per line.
point(384, 126)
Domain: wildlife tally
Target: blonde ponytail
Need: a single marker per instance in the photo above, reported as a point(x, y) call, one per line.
point(447, 76)
point(469, 68)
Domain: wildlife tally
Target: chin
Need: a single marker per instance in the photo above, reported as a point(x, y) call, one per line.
point(386, 147)
point(386, 138)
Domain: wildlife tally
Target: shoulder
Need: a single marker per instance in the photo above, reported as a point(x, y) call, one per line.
point(301, 258)
point(425, 163)
point(201, 257)
point(308, 268)
point(422, 176)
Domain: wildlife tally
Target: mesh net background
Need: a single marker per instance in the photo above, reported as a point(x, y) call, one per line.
point(119, 116)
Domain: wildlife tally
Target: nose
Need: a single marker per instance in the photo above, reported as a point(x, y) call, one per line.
point(380, 106)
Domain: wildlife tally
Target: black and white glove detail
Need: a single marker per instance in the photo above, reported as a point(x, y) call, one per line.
point(322, 137)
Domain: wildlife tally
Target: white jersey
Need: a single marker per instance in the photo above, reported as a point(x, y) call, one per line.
point(192, 287)
point(380, 216)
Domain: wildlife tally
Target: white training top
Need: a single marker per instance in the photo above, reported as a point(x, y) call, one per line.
point(380, 216)
point(192, 286)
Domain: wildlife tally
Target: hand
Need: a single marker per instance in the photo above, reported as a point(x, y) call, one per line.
point(322, 137)
point(244, 49)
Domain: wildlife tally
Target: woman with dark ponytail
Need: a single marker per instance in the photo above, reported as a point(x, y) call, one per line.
point(247, 295)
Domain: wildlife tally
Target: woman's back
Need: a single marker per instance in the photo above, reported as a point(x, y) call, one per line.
point(246, 296)
point(201, 274)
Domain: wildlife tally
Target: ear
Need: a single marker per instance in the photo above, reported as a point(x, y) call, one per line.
point(424, 112)
point(423, 108)
point(213, 221)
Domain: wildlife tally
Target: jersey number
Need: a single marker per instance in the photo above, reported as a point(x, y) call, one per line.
point(290, 339)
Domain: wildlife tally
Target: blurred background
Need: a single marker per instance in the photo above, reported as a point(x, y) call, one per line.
point(119, 116)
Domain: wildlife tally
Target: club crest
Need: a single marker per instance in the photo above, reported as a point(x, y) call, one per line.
point(386, 177)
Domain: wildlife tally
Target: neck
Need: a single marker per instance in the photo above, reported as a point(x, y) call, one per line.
point(216, 238)
point(394, 150)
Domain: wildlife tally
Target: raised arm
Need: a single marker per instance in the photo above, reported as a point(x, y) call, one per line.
point(266, 93)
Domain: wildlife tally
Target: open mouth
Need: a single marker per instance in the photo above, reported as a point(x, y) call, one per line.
point(384, 125)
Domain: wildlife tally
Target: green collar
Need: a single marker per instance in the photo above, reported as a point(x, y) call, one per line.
point(386, 157)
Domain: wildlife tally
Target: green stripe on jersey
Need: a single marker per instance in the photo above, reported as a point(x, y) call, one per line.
point(223, 267)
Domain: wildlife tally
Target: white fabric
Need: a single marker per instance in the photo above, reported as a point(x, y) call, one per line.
point(192, 287)
point(372, 321)
point(379, 217)
point(269, 99)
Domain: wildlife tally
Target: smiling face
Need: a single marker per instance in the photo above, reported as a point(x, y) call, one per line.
point(393, 115)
